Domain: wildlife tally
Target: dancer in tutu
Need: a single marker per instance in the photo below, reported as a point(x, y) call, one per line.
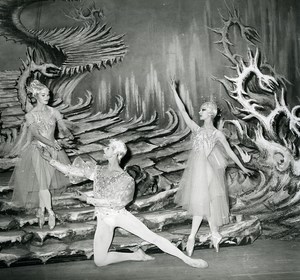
point(113, 190)
point(202, 189)
point(34, 180)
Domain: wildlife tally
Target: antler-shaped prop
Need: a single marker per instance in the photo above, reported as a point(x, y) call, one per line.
point(250, 107)
point(247, 32)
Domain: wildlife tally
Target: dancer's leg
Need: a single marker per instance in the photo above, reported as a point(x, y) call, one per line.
point(132, 224)
point(196, 222)
point(43, 177)
point(45, 200)
point(44, 173)
point(216, 237)
point(102, 240)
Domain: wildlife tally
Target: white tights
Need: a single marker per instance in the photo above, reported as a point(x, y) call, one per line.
point(104, 235)
point(196, 222)
point(45, 200)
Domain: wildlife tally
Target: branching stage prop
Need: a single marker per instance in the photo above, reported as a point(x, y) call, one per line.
point(267, 136)
point(61, 58)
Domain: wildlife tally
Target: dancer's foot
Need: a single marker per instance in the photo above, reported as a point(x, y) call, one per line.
point(204, 238)
point(41, 217)
point(190, 245)
point(216, 239)
point(197, 263)
point(142, 256)
point(51, 220)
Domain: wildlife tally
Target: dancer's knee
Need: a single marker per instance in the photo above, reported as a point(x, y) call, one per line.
point(100, 260)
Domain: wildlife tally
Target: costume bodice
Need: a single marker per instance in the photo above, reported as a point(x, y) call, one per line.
point(44, 121)
point(204, 139)
point(118, 188)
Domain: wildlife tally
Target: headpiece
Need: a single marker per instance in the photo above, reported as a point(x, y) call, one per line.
point(35, 87)
point(212, 107)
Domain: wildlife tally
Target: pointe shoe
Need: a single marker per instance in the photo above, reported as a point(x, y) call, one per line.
point(41, 217)
point(190, 246)
point(216, 239)
point(51, 220)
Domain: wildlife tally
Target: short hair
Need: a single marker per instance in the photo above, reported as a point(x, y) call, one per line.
point(212, 107)
point(35, 87)
point(119, 147)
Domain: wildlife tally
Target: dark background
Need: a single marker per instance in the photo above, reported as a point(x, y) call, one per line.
point(172, 38)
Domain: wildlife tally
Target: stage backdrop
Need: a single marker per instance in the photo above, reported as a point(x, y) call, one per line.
point(172, 38)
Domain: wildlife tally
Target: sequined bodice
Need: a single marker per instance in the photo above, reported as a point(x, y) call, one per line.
point(203, 139)
point(118, 188)
point(45, 123)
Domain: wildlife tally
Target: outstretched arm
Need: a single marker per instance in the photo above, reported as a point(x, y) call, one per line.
point(190, 123)
point(68, 169)
point(231, 154)
point(72, 170)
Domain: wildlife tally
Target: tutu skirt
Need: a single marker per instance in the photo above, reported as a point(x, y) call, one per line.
point(33, 173)
point(202, 190)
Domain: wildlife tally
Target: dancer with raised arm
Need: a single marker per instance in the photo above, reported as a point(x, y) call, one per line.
point(202, 190)
point(34, 180)
point(113, 190)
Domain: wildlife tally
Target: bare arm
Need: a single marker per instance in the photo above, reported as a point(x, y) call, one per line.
point(65, 131)
point(62, 126)
point(190, 123)
point(231, 154)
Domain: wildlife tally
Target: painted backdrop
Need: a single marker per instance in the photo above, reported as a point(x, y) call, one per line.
point(172, 38)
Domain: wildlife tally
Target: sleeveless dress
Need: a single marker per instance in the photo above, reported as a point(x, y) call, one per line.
point(33, 173)
point(202, 190)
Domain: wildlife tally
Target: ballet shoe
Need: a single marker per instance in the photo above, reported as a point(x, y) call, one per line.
point(190, 246)
point(197, 263)
point(216, 239)
point(142, 256)
point(51, 220)
point(41, 217)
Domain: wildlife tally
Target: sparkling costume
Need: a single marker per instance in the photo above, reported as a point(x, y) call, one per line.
point(32, 172)
point(118, 190)
point(202, 190)
point(112, 192)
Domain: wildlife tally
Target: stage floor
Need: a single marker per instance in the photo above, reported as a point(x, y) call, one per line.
point(262, 260)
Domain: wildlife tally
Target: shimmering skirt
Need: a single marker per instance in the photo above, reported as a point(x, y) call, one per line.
point(202, 190)
point(33, 173)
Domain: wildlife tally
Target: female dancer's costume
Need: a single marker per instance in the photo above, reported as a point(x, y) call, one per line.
point(202, 190)
point(33, 173)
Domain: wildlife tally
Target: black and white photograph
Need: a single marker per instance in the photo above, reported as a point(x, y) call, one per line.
point(149, 139)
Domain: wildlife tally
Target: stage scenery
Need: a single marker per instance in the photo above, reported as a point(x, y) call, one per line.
point(162, 126)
